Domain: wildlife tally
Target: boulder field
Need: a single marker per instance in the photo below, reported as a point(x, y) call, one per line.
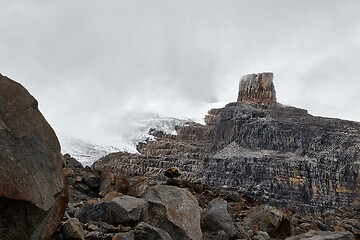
point(175, 208)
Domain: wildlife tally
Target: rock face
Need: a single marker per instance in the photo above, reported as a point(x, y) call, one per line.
point(33, 196)
point(257, 88)
point(274, 153)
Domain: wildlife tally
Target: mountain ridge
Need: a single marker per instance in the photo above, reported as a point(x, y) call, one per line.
point(301, 160)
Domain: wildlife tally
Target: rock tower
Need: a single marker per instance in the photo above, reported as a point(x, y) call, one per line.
point(257, 89)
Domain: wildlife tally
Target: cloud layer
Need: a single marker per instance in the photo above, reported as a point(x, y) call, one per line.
point(90, 62)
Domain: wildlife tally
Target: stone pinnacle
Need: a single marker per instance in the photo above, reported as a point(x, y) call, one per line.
point(257, 89)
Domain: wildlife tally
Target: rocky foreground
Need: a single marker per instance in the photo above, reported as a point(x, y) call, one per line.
point(104, 205)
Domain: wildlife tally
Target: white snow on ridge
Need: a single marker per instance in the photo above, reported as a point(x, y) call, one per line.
point(87, 152)
point(122, 131)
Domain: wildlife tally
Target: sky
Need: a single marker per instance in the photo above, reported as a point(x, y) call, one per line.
point(94, 64)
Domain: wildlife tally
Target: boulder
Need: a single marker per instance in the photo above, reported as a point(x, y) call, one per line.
point(33, 193)
point(217, 217)
point(72, 230)
point(271, 220)
point(144, 231)
point(71, 162)
point(139, 186)
point(323, 235)
point(92, 180)
point(132, 208)
point(125, 210)
point(108, 212)
point(117, 184)
point(356, 204)
point(172, 172)
point(175, 210)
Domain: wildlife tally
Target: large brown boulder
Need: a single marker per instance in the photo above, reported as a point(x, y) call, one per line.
point(33, 195)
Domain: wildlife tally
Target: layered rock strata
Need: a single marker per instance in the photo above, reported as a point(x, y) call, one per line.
point(279, 154)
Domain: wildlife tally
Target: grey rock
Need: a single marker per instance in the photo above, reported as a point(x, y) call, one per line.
point(356, 204)
point(92, 180)
point(175, 210)
point(132, 208)
point(260, 235)
point(323, 235)
point(107, 212)
point(217, 216)
point(145, 231)
point(72, 230)
point(124, 236)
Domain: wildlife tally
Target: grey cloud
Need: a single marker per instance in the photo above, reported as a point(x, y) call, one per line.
point(84, 60)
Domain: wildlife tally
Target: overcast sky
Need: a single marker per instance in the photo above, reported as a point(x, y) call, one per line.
point(91, 62)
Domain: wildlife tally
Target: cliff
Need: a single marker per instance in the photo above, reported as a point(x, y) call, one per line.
point(278, 154)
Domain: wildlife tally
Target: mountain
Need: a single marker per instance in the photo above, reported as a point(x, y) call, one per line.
point(139, 127)
point(275, 153)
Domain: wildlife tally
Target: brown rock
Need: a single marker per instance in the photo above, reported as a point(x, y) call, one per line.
point(271, 220)
point(172, 172)
point(257, 88)
point(33, 193)
point(111, 195)
point(73, 230)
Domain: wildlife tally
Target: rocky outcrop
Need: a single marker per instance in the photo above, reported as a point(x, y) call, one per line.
point(257, 89)
point(33, 195)
point(274, 153)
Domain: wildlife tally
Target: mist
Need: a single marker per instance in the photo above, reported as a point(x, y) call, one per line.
point(92, 65)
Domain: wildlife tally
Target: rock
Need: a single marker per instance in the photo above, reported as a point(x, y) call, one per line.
point(139, 186)
point(217, 216)
point(72, 230)
point(323, 235)
point(71, 162)
point(111, 195)
point(107, 212)
point(356, 204)
point(124, 210)
point(117, 184)
point(219, 235)
point(132, 209)
point(144, 231)
point(33, 193)
point(175, 210)
point(279, 154)
point(172, 172)
point(271, 220)
point(124, 236)
point(92, 180)
point(260, 235)
point(257, 88)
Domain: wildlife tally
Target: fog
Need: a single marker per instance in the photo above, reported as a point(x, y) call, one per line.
point(91, 64)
